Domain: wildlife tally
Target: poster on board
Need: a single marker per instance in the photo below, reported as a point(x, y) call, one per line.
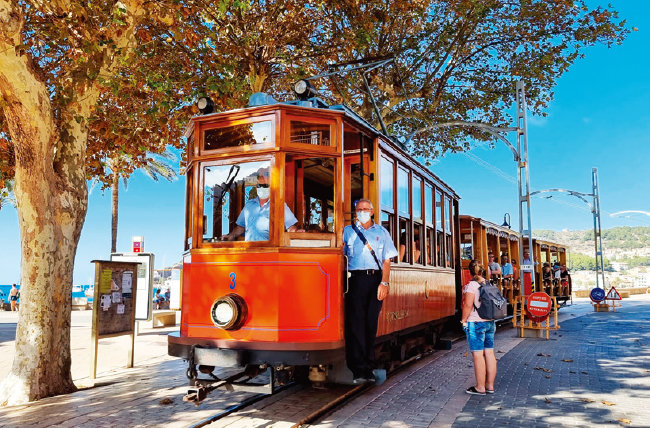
point(143, 282)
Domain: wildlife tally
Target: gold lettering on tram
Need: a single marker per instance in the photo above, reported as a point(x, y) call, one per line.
point(397, 315)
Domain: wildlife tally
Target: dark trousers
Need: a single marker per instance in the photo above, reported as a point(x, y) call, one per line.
point(361, 316)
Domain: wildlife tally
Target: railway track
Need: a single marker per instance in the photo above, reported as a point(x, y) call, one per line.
point(314, 404)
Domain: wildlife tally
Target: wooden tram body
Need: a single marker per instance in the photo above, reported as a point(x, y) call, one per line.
point(478, 237)
point(288, 291)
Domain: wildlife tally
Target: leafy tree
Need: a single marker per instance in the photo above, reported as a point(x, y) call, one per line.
point(459, 60)
point(58, 61)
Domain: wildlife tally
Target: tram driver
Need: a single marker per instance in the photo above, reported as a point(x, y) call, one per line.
point(253, 221)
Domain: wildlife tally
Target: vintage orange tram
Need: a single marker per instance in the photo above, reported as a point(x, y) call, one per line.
point(276, 299)
point(479, 237)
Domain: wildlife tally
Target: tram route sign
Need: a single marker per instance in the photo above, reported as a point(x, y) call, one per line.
point(538, 306)
point(597, 295)
point(613, 294)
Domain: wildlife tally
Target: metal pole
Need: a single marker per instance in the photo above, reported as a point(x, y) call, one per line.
point(522, 133)
point(597, 228)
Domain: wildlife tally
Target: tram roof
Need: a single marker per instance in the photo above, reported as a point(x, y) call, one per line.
point(263, 101)
point(504, 231)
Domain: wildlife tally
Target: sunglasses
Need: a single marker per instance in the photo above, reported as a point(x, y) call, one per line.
point(262, 185)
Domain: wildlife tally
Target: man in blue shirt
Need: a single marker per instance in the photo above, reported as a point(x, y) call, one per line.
point(369, 285)
point(253, 221)
point(506, 267)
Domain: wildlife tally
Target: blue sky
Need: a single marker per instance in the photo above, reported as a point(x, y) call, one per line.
point(600, 117)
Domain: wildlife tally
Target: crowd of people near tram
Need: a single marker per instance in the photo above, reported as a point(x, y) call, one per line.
point(555, 277)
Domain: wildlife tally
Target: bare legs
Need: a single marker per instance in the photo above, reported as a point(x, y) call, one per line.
point(485, 369)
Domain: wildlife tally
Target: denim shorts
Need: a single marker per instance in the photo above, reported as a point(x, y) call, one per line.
point(480, 335)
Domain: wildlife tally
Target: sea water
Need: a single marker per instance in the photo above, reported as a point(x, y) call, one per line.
point(77, 291)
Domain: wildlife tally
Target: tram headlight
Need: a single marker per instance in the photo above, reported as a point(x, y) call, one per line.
point(229, 312)
point(303, 89)
point(205, 105)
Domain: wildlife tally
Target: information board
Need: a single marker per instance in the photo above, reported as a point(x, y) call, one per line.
point(114, 305)
point(114, 301)
point(144, 284)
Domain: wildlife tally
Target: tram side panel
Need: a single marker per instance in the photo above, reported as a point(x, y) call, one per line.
point(417, 296)
point(290, 298)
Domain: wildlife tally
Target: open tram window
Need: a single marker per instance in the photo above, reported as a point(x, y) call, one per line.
point(236, 194)
point(310, 192)
point(238, 135)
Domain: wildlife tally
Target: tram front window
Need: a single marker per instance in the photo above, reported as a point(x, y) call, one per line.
point(236, 202)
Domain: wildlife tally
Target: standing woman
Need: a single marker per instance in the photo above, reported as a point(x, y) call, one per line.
point(480, 333)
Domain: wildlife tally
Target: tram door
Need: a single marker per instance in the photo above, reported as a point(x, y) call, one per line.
point(356, 184)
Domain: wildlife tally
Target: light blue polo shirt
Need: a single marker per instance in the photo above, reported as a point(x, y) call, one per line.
point(255, 219)
point(359, 257)
point(507, 269)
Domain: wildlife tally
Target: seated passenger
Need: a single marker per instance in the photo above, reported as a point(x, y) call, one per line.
point(415, 249)
point(253, 221)
point(547, 276)
point(565, 279)
point(493, 268)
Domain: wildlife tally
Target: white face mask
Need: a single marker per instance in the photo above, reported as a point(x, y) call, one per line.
point(263, 192)
point(363, 216)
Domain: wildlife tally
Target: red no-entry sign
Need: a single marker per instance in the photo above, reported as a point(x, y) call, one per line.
point(538, 306)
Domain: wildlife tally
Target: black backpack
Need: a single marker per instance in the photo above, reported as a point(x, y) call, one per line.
point(493, 305)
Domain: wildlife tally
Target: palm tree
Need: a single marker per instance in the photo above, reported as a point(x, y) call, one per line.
point(155, 167)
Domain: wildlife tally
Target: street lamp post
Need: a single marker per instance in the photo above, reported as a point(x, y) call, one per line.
point(595, 210)
point(520, 154)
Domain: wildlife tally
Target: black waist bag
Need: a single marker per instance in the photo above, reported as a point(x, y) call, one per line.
point(493, 305)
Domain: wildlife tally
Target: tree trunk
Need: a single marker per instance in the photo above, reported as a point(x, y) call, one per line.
point(52, 196)
point(115, 188)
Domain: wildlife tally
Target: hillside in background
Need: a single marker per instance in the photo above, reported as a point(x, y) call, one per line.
point(626, 252)
point(618, 242)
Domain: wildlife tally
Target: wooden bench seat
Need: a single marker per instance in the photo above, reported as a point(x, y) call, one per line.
point(163, 318)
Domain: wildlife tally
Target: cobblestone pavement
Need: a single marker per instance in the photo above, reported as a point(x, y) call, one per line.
point(602, 381)
point(594, 371)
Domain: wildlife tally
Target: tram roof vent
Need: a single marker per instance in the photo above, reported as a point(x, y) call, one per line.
point(261, 99)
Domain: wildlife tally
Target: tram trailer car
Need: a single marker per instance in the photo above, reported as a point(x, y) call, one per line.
point(479, 237)
point(278, 302)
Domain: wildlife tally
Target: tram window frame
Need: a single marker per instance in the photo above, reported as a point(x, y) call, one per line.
point(440, 229)
point(295, 186)
point(404, 233)
point(418, 222)
point(274, 198)
point(449, 232)
point(429, 222)
point(233, 123)
point(189, 207)
point(388, 204)
point(289, 118)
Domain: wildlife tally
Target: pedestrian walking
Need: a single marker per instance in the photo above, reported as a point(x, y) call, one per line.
point(14, 295)
point(480, 333)
point(369, 248)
